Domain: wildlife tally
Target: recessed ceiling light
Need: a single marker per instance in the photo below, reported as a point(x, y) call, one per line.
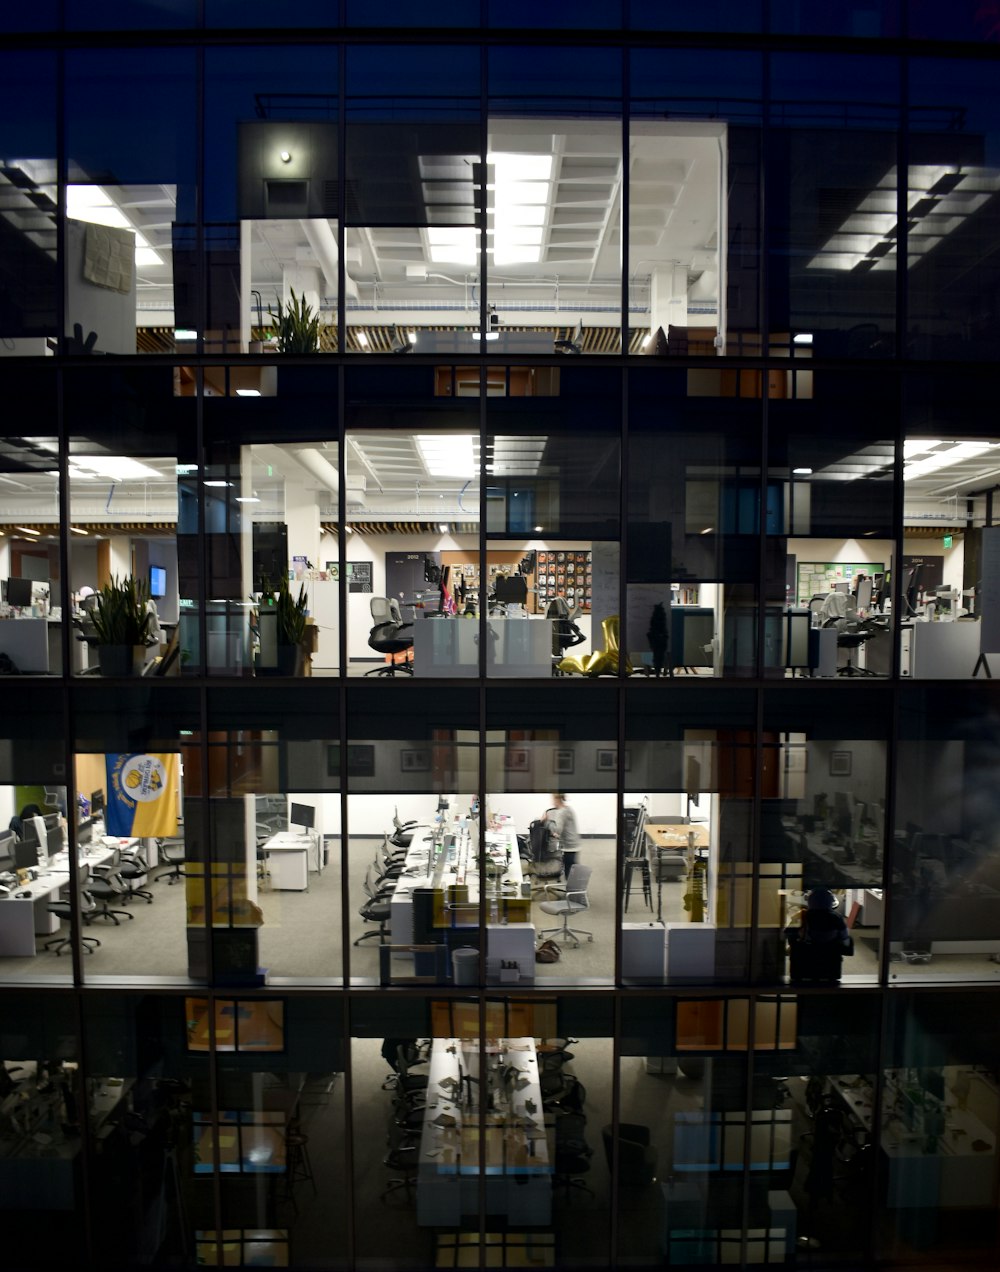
point(248, 392)
point(286, 156)
point(362, 338)
point(538, 529)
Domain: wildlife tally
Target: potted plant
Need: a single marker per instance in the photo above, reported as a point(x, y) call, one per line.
point(290, 624)
point(297, 326)
point(121, 620)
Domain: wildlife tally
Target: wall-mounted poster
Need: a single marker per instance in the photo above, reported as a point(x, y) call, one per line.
point(359, 576)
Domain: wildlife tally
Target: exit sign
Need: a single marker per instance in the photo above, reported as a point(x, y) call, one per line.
point(948, 540)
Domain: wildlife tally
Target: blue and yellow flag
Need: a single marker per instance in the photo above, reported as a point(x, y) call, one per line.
point(142, 795)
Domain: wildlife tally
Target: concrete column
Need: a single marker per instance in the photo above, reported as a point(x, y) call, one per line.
point(668, 297)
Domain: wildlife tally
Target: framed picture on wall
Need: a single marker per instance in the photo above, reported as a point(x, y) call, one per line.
point(840, 763)
point(517, 759)
point(418, 761)
point(360, 760)
point(563, 761)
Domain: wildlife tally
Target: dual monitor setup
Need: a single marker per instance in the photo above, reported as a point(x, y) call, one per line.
point(41, 839)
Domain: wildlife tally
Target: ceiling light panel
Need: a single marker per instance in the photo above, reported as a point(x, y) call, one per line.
point(448, 454)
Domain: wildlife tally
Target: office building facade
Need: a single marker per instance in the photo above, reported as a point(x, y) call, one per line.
point(517, 419)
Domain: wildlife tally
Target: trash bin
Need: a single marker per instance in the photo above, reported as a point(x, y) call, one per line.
point(465, 965)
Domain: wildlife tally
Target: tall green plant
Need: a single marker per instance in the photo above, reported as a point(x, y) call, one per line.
point(121, 616)
point(297, 325)
point(291, 610)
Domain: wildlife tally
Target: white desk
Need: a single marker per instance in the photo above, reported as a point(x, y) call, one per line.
point(291, 856)
point(515, 1156)
point(22, 917)
point(455, 870)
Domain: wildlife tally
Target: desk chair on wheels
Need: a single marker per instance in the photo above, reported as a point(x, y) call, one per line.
point(386, 636)
point(572, 902)
point(64, 910)
point(172, 852)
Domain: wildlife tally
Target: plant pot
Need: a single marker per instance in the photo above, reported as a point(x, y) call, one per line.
point(289, 660)
point(121, 660)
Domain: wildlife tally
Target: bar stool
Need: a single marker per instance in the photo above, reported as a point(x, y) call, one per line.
point(632, 864)
point(298, 1164)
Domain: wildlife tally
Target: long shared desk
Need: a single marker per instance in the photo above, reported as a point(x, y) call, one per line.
point(470, 1090)
point(437, 896)
point(24, 917)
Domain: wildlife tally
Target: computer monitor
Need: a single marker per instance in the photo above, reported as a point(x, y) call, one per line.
point(911, 588)
point(7, 841)
point(303, 815)
point(157, 581)
point(26, 854)
point(97, 803)
point(53, 835)
point(19, 591)
point(511, 589)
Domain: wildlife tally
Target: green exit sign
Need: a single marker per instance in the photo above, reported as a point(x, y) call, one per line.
point(948, 540)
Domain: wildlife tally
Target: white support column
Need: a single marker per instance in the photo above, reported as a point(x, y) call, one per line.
point(668, 297)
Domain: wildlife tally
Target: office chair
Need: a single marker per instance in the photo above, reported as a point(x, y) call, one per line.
point(134, 873)
point(403, 1157)
point(386, 636)
point(565, 633)
point(64, 910)
point(573, 901)
point(172, 852)
point(851, 636)
point(376, 909)
point(636, 1157)
point(107, 885)
point(572, 1155)
point(402, 835)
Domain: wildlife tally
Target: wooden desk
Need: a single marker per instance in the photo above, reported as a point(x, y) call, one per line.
point(676, 837)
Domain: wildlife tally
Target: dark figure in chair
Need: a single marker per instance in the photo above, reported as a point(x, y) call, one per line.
point(818, 942)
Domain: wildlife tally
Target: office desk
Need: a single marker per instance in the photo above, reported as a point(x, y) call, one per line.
point(951, 1173)
point(22, 918)
point(290, 858)
point(515, 1155)
point(454, 877)
point(676, 836)
point(450, 647)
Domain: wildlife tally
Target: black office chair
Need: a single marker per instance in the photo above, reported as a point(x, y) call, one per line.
point(387, 636)
point(172, 852)
point(107, 885)
point(572, 1155)
point(636, 1156)
point(64, 910)
point(402, 834)
point(376, 909)
point(134, 873)
point(403, 1156)
point(565, 633)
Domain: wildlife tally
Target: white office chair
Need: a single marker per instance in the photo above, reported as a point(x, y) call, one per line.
point(573, 900)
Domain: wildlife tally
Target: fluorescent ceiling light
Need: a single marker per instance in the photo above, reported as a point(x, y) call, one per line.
point(931, 456)
point(490, 335)
point(218, 482)
point(77, 530)
point(507, 255)
point(443, 527)
point(185, 333)
point(247, 499)
point(802, 472)
point(510, 166)
point(117, 467)
point(447, 454)
point(802, 338)
point(248, 392)
point(362, 338)
point(146, 256)
point(520, 193)
point(27, 530)
point(518, 214)
point(455, 245)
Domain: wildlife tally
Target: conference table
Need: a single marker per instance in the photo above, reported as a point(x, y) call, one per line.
point(484, 1117)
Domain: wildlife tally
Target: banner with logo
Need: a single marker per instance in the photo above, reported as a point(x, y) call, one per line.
point(142, 795)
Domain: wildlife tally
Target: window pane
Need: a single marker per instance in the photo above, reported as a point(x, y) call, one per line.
point(28, 265)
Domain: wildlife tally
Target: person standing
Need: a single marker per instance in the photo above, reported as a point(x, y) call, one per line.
point(562, 819)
